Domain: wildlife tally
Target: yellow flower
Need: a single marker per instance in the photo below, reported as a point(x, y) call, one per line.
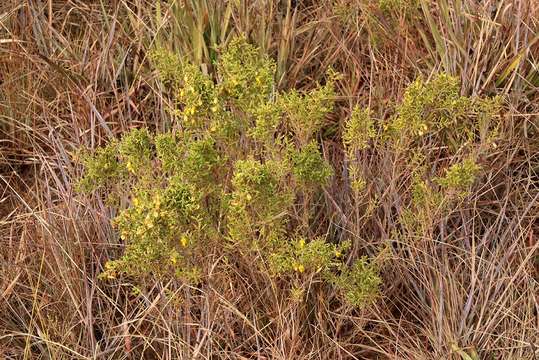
point(249, 197)
point(148, 222)
point(301, 268)
point(136, 202)
point(129, 166)
point(423, 129)
point(338, 254)
point(302, 243)
point(184, 241)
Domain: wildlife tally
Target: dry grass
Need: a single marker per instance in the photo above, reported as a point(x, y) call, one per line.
point(73, 73)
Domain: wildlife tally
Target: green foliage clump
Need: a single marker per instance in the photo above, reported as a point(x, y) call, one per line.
point(429, 106)
point(259, 200)
point(227, 177)
point(460, 176)
point(301, 256)
point(194, 92)
point(360, 282)
point(432, 119)
point(306, 112)
point(246, 77)
point(135, 150)
point(436, 109)
point(170, 67)
point(267, 120)
point(101, 168)
point(359, 130)
point(309, 167)
point(201, 161)
point(357, 181)
point(169, 151)
point(423, 195)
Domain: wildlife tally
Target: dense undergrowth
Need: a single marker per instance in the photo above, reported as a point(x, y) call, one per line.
point(353, 179)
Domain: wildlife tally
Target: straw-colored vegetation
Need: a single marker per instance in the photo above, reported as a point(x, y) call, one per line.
point(214, 179)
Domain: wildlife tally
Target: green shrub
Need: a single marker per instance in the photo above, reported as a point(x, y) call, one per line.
point(230, 173)
point(429, 106)
point(435, 109)
point(432, 119)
